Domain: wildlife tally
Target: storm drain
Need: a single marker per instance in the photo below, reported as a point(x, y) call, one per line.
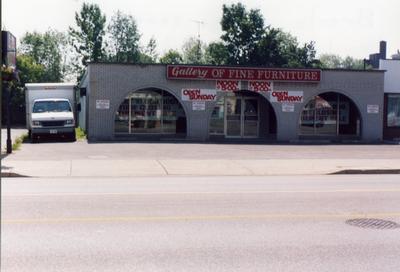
point(372, 223)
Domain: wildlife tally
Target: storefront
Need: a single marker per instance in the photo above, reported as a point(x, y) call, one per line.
point(122, 101)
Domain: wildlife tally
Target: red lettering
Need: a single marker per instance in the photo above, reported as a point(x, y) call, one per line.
point(233, 73)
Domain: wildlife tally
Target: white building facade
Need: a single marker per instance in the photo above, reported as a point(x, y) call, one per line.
point(391, 117)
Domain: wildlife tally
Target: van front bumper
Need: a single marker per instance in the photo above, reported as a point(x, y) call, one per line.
point(52, 130)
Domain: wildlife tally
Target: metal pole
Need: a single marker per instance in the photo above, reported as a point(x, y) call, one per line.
point(9, 144)
point(338, 115)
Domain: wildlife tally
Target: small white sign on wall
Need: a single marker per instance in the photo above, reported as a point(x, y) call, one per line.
point(103, 104)
point(373, 109)
point(287, 107)
point(199, 105)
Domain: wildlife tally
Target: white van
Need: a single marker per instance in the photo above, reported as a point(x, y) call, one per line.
point(50, 110)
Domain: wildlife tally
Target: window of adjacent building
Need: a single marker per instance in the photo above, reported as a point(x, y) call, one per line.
point(393, 110)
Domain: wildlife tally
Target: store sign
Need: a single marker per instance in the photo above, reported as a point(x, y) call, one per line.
point(227, 85)
point(102, 104)
point(242, 74)
point(260, 86)
point(9, 49)
point(373, 109)
point(286, 96)
point(198, 105)
point(199, 95)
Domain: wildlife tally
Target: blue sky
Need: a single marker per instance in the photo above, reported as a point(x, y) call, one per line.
point(344, 27)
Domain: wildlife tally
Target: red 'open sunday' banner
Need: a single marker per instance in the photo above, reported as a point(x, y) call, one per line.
point(242, 73)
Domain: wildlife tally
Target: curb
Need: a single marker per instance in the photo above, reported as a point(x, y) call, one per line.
point(367, 172)
point(342, 172)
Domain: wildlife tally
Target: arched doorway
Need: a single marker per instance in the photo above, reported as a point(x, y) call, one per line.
point(242, 114)
point(150, 111)
point(330, 114)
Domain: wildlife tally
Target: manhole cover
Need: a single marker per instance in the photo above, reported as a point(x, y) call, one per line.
point(373, 223)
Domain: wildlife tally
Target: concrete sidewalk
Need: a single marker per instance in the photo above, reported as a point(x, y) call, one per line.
point(82, 159)
point(130, 168)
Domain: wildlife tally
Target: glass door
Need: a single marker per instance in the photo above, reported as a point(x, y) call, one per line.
point(233, 117)
point(242, 117)
point(250, 117)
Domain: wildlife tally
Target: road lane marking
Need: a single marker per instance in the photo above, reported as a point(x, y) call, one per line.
point(199, 218)
point(391, 190)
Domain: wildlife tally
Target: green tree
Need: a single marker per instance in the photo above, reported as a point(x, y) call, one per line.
point(171, 57)
point(332, 61)
point(243, 30)
point(47, 50)
point(29, 71)
point(271, 50)
point(149, 53)
point(216, 54)
point(87, 38)
point(306, 55)
point(294, 54)
point(123, 38)
point(193, 51)
point(249, 42)
point(353, 63)
point(281, 49)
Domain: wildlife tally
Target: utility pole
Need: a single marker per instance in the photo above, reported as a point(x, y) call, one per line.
point(9, 74)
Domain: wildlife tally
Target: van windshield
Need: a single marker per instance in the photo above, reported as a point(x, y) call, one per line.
point(51, 106)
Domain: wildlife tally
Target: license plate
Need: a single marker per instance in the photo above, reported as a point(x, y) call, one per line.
point(53, 131)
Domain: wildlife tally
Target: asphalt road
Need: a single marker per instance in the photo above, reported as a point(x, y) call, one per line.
point(299, 223)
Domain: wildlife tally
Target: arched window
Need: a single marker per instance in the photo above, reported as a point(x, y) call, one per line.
point(330, 114)
point(150, 111)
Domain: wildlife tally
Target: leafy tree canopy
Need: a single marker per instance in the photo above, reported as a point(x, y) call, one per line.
point(216, 54)
point(47, 50)
point(149, 53)
point(29, 71)
point(243, 30)
point(332, 61)
point(171, 57)
point(249, 42)
point(193, 51)
point(123, 38)
point(87, 38)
